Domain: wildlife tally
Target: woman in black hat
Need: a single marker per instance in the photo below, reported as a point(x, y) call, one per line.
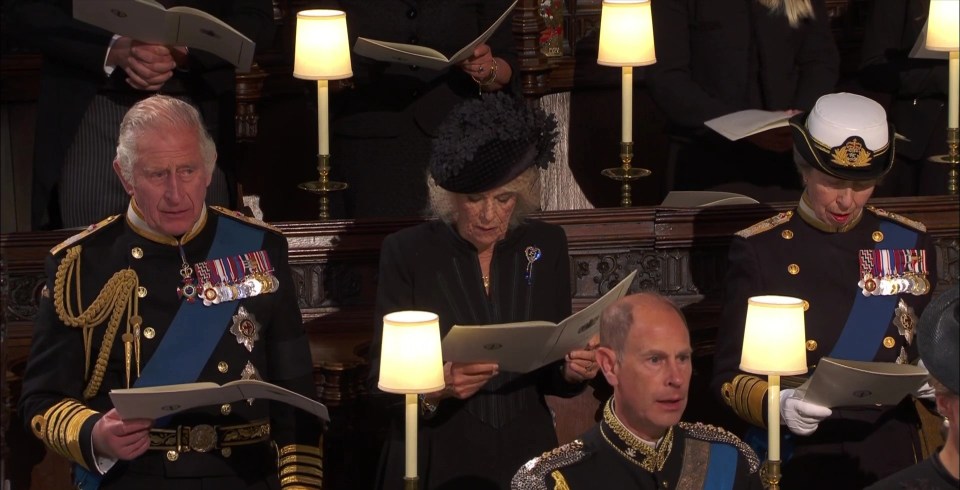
point(864, 275)
point(938, 343)
point(483, 262)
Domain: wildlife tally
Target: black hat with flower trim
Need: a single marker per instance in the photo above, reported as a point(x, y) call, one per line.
point(846, 136)
point(485, 143)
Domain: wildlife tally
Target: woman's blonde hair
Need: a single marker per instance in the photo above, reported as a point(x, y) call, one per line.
point(795, 10)
point(526, 186)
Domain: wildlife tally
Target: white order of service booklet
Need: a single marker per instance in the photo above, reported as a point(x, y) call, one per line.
point(413, 54)
point(524, 346)
point(740, 124)
point(150, 22)
point(843, 383)
point(154, 402)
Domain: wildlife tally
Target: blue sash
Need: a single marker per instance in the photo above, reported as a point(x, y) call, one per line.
point(194, 333)
point(722, 467)
point(870, 315)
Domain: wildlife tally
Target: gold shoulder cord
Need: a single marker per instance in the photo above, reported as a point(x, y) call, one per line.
point(118, 295)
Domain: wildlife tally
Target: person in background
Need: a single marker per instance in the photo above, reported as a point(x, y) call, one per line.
point(483, 261)
point(383, 124)
point(864, 275)
point(917, 91)
point(91, 77)
point(641, 443)
point(938, 344)
point(171, 292)
point(719, 57)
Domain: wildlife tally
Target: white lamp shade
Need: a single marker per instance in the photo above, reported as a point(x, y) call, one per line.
point(322, 47)
point(410, 356)
point(943, 33)
point(626, 34)
point(774, 337)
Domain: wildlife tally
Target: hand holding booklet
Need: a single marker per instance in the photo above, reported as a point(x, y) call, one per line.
point(843, 383)
point(524, 346)
point(159, 401)
point(148, 21)
point(738, 125)
point(413, 54)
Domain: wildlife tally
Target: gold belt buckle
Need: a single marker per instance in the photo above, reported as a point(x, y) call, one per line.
point(203, 438)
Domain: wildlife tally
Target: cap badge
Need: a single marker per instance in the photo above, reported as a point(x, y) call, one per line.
point(852, 153)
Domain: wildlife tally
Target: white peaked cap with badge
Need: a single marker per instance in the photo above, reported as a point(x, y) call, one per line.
point(837, 117)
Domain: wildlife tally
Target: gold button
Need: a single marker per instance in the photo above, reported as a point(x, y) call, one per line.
point(137, 252)
point(793, 269)
point(172, 455)
point(226, 452)
point(806, 305)
point(222, 366)
point(141, 292)
point(225, 409)
point(811, 345)
point(888, 342)
point(786, 234)
point(877, 236)
point(149, 333)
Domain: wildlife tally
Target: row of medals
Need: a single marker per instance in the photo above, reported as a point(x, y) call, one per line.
point(251, 285)
point(909, 282)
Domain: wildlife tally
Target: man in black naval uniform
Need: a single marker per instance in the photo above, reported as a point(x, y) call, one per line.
point(645, 355)
point(172, 292)
point(864, 275)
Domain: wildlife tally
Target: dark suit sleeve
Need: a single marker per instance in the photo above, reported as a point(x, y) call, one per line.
point(551, 376)
point(394, 287)
point(670, 80)
point(817, 59)
point(48, 26)
point(742, 392)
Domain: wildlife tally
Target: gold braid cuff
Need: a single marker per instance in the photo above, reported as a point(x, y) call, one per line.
point(59, 428)
point(745, 395)
point(300, 467)
point(118, 295)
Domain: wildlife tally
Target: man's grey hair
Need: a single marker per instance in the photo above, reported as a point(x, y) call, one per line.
point(160, 112)
point(526, 186)
point(617, 320)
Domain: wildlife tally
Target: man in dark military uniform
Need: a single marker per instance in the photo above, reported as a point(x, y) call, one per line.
point(173, 292)
point(645, 355)
point(864, 275)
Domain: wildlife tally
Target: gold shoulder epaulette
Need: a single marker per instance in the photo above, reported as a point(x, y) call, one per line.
point(533, 475)
point(903, 220)
point(767, 224)
point(711, 433)
point(237, 215)
point(83, 234)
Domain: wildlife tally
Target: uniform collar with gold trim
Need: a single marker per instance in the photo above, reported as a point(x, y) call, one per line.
point(805, 210)
point(649, 456)
point(140, 226)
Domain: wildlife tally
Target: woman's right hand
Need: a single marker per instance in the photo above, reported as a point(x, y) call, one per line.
point(463, 380)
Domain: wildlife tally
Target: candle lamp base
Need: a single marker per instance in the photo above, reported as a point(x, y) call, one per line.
point(323, 186)
point(770, 475)
point(625, 173)
point(952, 158)
point(411, 483)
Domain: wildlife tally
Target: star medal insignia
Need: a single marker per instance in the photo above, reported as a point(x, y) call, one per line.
point(245, 328)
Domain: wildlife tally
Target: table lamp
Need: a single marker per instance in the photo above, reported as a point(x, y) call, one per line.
point(943, 34)
point(322, 53)
point(411, 362)
point(774, 344)
point(626, 40)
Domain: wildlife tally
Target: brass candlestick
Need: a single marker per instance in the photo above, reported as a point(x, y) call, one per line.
point(952, 158)
point(625, 173)
point(323, 186)
point(770, 475)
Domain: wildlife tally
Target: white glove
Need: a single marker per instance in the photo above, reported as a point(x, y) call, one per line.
point(801, 417)
point(925, 392)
